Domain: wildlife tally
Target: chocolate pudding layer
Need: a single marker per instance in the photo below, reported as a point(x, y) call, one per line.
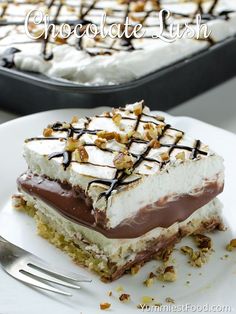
point(72, 203)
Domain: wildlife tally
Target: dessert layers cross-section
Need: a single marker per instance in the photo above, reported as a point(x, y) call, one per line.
point(118, 189)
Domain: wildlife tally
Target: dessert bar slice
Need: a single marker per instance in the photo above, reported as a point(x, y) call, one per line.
point(117, 189)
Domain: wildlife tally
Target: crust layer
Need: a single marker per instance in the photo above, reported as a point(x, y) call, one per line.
point(82, 252)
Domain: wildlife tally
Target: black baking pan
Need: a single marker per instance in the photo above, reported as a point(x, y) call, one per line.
point(26, 93)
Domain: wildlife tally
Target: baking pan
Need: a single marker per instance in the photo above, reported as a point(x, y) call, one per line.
point(26, 93)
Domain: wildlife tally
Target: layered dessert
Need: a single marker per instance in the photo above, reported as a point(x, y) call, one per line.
point(106, 61)
point(119, 189)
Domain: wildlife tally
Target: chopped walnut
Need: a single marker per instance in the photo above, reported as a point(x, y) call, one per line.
point(138, 6)
point(101, 143)
point(169, 300)
point(137, 135)
point(231, 245)
point(74, 119)
point(180, 156)
point(105, 306)
point(123, 161)
point(117, 119)
point(81, 154)
point(155, 144)
point(164, 156)
point(150, 280)
point(107, 135)
point(203, 242)
point(71, 144)
point(165, 254)
point(187, 250)
point(47, 132)
point(196, 258)
point(138, 109)
point(150, 131)
point(124, 297)
point(60, 40)
point(122, 138)
point(135, 269)
point(169, 274)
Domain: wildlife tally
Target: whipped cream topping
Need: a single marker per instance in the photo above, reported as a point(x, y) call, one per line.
point(163, 161)
point(107, 61)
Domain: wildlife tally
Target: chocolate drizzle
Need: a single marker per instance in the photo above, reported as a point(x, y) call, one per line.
point(120, 176)
point(7, 58)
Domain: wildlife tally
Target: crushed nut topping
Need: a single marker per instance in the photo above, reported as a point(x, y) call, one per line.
point(123, 161)
point(150, 280)
point(151, 131)
point(169, 274)
point(124, 297)
point(138, 109)
point(231, 245)
point(107, 135)
point(138, 6)
point(81, 154)
point(74, 119)
point(198, 258)
point(180, 156)
point(169, 300)
point(165, 254)
point(135, 269)
point(117, 119)
point(203, 242)
point(47, 132)
point(164, 156)
point(101, 143)
point(105, 306)
point(71, 144)
point(155, 144)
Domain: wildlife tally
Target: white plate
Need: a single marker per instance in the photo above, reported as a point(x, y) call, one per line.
point(215, 286)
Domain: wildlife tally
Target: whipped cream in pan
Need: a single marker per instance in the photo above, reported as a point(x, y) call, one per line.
point(174, 166)
point(105, 62)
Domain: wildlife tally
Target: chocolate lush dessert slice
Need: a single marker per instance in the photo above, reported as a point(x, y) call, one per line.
point(117, 189)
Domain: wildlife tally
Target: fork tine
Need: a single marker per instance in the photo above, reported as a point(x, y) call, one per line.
point(30, 280)
point(40, 265)
point(42, 275)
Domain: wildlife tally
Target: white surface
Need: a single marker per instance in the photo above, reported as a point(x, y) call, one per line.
point(215, 286)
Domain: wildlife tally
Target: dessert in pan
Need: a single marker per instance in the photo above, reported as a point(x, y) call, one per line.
point(115, 60)
point(118, 189)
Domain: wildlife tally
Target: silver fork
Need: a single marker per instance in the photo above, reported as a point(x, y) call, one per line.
point(33, 271)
